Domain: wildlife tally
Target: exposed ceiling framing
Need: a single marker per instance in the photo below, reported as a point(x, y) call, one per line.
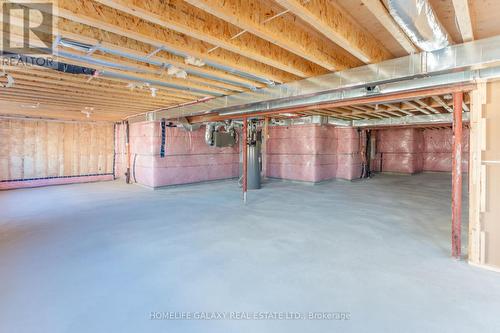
point(402, 108)
point(240, 44)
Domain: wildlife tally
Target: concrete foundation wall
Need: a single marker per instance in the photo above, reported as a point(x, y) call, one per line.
point(188, 159)
point(39, 153)
point(312, 152)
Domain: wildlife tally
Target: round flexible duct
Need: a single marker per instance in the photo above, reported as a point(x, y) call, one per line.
point(419, 21)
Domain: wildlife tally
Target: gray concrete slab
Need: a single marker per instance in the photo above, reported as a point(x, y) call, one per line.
point(101, 257)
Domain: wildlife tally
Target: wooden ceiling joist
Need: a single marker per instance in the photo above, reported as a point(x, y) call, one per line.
point(90, 96)
point(245, 44)
point(193, 82)
point(249, 15)
point(186, 19)
point(92, 36)
point(99, 83)
point(108, 19)
point(463, 16)
point(440, 101)
point(337, 25)
point(426, 106)
point(416, 107)
point(190, 87)
point(97, 90)
point(70, 99)
point(397, 108)
point(377, 8)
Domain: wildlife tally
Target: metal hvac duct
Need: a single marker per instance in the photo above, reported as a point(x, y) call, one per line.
point(420, 23)
point(479, 59)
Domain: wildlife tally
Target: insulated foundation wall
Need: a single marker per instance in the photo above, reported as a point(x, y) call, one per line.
point(413, 150)
point(188, 159)
point(39, 153)
point(312, 152)
point(400, 150)
point(437, 149)
point(348, 155)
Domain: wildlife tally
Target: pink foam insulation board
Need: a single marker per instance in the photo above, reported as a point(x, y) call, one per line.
point(312, 152)
point(188, 159)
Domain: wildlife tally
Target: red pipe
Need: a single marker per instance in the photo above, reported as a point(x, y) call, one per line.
point(245, 157)
point(456, 194)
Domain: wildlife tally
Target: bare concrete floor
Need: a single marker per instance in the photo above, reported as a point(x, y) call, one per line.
point(101, 257)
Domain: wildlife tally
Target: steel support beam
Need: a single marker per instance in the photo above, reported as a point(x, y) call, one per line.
point(412, 94)
point(456, 194)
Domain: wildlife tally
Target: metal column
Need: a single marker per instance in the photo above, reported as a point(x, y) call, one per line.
point(245, 158)
point(456, 194)
point(127, 146)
